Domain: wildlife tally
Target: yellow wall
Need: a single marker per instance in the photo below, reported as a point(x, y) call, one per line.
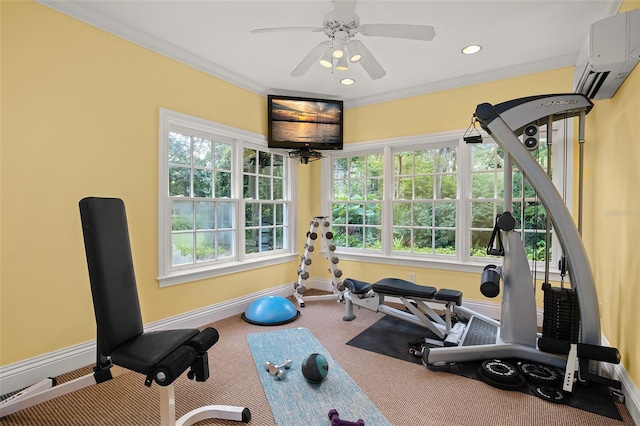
point(448, 110)
point(611, 226)
point(80, 117)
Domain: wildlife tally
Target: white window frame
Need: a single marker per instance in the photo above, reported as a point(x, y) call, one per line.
point(240, 139)
point(562, 145)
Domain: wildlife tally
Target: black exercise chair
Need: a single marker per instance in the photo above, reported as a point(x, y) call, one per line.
point(122, 345)
point(162, 356)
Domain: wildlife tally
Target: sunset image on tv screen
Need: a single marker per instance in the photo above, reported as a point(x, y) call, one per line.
point(305, 121)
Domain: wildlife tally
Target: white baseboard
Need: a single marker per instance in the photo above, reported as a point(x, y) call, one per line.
point(29, 371)
point(629, 389)
point(492, 310)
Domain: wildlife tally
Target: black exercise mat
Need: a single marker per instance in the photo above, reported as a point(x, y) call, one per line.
point(391, 337)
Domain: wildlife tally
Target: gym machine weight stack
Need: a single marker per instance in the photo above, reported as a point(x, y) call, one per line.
point(326, 237)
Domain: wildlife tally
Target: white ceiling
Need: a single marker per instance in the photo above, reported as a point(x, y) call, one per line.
point(518, 37)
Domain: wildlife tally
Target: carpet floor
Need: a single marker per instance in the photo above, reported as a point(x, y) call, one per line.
point(390, 336)
point(406, 393)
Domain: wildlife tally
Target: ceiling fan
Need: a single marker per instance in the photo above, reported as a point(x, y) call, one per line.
point(341, 26)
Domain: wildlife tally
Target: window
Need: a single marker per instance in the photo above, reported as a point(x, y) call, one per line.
point(265, 208)
point(487, 192)
point(424, 201)
point(434, 198)
point(487, 200)
point(202, 213)
point(224, 203)
point(357, 202)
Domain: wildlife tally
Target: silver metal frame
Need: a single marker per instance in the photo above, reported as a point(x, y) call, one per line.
point(518, 332)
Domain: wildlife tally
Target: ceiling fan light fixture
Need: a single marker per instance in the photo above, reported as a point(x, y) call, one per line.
point(471, 49)
point(327, 60)
point(354, 52)
point(340, 27)
point(338, 51)
point(347, 81)
point(339, 44)
point(342, 64)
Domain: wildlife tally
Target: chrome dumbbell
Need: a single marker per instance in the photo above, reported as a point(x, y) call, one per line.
point(279, 371)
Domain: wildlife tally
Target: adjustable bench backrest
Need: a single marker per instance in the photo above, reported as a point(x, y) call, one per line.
point(114, 291)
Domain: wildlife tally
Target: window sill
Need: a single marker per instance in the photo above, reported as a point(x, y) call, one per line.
point(451, 264)
point(195, 274)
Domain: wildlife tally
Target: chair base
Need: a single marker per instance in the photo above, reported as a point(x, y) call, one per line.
point(46, 390)
point(225, 412)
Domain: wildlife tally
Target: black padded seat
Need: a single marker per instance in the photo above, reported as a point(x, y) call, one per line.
point(145, 351)
point(399, 287)
point(449, 296)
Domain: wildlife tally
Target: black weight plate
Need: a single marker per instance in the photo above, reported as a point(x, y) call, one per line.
point(551, 394)
point(520, 381)
point(539, 374)
point(500, 371)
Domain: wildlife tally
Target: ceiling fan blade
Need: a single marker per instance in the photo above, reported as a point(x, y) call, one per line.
point(344, 7)
point(406, 31)
point(309, 60)
point(369, 63)
point(279, 29)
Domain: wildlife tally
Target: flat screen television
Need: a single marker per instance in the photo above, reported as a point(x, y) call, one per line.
point(304, 123)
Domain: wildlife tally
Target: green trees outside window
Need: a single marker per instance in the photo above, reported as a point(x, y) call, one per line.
point(432, 201)
point(357, 207)
point(202, 208)
point(487, 201)
point(199, 181)
point(224, 200)
point(424, 201)
point(266, 210)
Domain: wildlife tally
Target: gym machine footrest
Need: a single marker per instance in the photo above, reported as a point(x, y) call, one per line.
point(585, 351)
point(448, 295)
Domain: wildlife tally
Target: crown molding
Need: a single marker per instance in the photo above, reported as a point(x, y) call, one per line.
point(467, 80)
point(77, 10)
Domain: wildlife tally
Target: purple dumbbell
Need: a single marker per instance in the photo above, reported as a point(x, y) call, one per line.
point(335, 420)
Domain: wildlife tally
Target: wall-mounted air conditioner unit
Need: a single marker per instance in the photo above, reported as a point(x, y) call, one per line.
point(610, 53)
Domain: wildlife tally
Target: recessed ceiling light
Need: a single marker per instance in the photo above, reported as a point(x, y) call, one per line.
point(347, 81)
point(470, 50)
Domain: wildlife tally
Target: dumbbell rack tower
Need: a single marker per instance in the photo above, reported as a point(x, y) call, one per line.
point(325, 236)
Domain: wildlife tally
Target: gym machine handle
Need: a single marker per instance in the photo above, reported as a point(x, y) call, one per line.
point(585, 351)
point(492, 250)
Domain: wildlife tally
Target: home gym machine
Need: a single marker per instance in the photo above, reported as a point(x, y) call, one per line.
point(515, 335)
point(416, 299)
point(326, 236)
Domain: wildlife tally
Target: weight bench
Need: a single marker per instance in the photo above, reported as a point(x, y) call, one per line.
point(122, 343)
point(415, 298)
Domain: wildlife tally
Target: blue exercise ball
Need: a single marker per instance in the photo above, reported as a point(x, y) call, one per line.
point(271, 310)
